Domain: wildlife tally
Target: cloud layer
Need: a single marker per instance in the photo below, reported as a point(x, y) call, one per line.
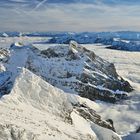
point(69, 15)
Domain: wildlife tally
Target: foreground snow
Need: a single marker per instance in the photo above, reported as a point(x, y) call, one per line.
point(35, 110)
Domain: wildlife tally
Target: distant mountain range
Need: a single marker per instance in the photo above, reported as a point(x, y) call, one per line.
point(130, 35)
point(122, 40)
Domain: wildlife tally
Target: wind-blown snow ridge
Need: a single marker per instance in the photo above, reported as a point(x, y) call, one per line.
point(40, 111)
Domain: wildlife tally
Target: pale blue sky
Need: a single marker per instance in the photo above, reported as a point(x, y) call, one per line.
point(69, 15)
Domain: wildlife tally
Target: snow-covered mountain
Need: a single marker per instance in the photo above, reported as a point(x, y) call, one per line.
point(74, 68)
point(71, 68)
point(33, 109)
point(124, 40)
point(118, 44)
point(124, 35)
point(116, 40)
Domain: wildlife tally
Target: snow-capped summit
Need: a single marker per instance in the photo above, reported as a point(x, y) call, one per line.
point(73, 47)
point(5, 35)
point(17, 45)
point(73, 68)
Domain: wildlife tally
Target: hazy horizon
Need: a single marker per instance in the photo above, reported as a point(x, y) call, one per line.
point(69, 15)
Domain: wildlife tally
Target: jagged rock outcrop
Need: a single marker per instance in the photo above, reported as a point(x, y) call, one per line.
point(76, 69)
point(91, 115)
point(49, 53)
point(5, 83)
point(138, 130)
point(4, 55)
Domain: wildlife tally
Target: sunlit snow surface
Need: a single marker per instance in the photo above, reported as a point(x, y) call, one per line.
point(126, 115)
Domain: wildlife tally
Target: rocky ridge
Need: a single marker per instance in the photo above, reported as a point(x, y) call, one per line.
point(76, 69)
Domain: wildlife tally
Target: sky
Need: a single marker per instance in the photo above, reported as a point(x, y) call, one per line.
point(69, 15)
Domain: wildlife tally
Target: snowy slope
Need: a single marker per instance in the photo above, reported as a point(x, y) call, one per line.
point(36, 110)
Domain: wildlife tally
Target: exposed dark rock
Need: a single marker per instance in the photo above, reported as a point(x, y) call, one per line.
point(112, 124)
point(5, 83)
point(49, 53)
point(71, 56)
point(4, 55)
point(138, 130)
point(89, 75)
point(91, 115)
point(68, 75)
point(94, 93)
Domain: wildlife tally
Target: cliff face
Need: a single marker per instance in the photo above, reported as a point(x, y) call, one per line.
point(73, 68)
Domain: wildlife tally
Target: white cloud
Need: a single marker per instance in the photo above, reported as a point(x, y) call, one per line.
point(71, 17)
